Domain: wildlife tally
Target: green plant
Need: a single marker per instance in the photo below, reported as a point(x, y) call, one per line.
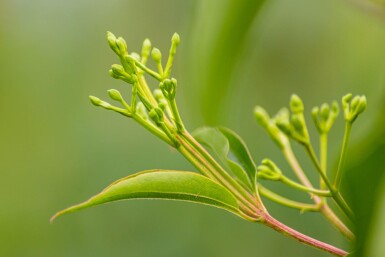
point(229, 178)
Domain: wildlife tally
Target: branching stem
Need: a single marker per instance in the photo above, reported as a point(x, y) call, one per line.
point(338, 175)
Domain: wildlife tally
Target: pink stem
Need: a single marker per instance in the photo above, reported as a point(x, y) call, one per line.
point(287, 231)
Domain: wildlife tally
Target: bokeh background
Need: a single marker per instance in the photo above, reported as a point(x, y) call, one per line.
point(56, 149)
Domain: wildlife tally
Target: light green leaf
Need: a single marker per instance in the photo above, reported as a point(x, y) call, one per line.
point(231, 151)
point(163, 184)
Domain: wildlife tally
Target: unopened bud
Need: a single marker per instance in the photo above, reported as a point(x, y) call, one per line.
point(146, 49)
point(175, 39)
point(122, 45)
point(268, 170)
point(297, 123)
point(136, 56)
point(156, 55)
point(325, 112)
point(261, 116)
point(115, 95)
point(111, 39)
point(168, 87)
point(97, 102)
point(141, 111)
point(156, 114)
point(356, 106)
point(296, 104)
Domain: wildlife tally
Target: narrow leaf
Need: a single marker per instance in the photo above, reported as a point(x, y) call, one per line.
point(231, 151)
point(163, 184)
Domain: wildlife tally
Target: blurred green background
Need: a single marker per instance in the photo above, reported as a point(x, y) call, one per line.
point(56, 149)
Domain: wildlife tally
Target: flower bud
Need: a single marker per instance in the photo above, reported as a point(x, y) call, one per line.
point(156, 114)
point(156, 55)
point(261, 116)
point(325, 112)
point(296, 104)
point(97, 102)
point(136, 56)
point(282, 121)
point(268, 170)
point(122, 45)
point(146, 49)
point(297, 123)
point(175, 39)
point(141, 111)
point(356, 106)
point(115, 95)
point(111, 39)
point(168, 87)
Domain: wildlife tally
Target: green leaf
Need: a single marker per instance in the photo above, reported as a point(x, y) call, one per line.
point(163, 184)
point(231, 151)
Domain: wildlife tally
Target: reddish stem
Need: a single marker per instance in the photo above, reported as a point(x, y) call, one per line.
point(287, 231)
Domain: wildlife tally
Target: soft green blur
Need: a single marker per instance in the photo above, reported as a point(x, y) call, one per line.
point(57, 149)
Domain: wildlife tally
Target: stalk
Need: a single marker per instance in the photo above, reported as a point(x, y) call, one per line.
point(324, 209)
point(292, 233)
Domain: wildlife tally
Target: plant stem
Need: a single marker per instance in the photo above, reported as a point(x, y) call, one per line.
point(287, 231)
point(153, 129)
point(298, 186)
point(338, 224)
point(335, 193)
point(323, 155)
point(220, 169)
point(303, 207)
point(176, 116)
point(148, 71)
point(324, 209)
point(203, 166)
point(338, 175)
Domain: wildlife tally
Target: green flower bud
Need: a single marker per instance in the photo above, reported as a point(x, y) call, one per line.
point(362, 105)
point(111, 39)
point(268, 170)
point(345, 102)
point(122, 45)
point(315, 114)
point(297, 123)
point(296, 104)
point(335, 109)
point(285, 127)
point(282, 121)
point(129, 65)
point(115, 95)
point(97, 102)
point(156, 55)
point(118, 72)
point(354, 103)
point(325, 112)
point(354, 107)
point(136, 56)
point(175, 39)
point(162, 105)
point(168, 87)
point(113, 75)
point(141, 111)
point(261, 116)
point(156, 115)
point(158, 95)
point(146, 49)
